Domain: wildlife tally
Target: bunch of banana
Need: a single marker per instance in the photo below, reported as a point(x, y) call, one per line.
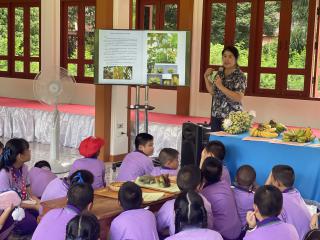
point(301, 135)
point(264, 130)
point(279, 126)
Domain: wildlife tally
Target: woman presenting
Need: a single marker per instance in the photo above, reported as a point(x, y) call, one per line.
point(227, 89)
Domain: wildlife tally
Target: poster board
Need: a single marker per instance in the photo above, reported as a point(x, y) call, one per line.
point(142, 57)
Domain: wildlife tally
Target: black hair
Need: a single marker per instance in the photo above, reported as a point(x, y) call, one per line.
point(284, 174)
point(167, 154)
point(130, 196)
point(312, 235)
point(42, 164)
point(142, 139)
point(81, 176)
point(12, 149)
point(211, 170)
point(245, 176)
point(189, 211)
point(84, 226)
point(189, 178)
point(233, 50)
point(217, 148)
point(1, 145)
point(80, 195)
point(269, 200)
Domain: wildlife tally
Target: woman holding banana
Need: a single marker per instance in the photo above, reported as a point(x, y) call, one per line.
point(227, 87)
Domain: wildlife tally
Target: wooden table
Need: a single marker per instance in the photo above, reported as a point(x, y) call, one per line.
point(105, 208)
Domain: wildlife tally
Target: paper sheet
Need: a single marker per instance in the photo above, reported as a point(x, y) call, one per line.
point(151, 197)
point(172, 189)
point(221, 134)
point(257, 139)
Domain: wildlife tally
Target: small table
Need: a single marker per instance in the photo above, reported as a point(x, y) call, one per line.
point(105, 209)
point(305, 160)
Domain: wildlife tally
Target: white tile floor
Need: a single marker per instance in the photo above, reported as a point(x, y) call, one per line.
point(41, 151)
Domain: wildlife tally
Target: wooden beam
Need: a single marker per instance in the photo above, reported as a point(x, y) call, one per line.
point(185, 23)
point(103, 93)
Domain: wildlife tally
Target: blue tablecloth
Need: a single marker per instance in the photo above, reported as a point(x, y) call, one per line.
point(263, 156)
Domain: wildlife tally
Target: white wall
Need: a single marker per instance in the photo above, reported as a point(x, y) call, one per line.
point(50, 56)
point(119, 138)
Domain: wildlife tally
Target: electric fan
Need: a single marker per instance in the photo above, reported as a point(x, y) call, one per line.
point(53, 87)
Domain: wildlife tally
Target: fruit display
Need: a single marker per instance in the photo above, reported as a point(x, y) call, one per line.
point(301, 135)
point(238, 122)
point(278, 126)
point(264, 130)
point(162, 180)
point(147, 179)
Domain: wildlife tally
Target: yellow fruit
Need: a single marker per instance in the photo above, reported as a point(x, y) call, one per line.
point(272, 130)
point(267, 134)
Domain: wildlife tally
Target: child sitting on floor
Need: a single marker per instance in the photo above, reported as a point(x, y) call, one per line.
point(84, 226)
point(267, 206)
point(134, 222)
point(138, 162)
point(90, 149)
point(224, 210)
point(53, 225)
point(294, 209)
point(40, 176)
point(191, 219)
point(14, 174)
point(243, 190)
point(58, 188)
point(216, 149)
point(189, 178)
point(169, 162)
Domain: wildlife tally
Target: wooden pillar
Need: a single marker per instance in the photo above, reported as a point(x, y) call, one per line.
point(103, 93)
point(185, 23)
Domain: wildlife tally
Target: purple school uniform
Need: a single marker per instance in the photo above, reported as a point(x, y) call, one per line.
point(7, 181)
point(196, 234)
point(7, 227)
point(93, 165)
point(272, 229)
point(225, 175)
point(157, 171)
point(295, 211)
point(57, 188)
point(137, 224)
point(53, 225)
point(39, 179)
point(224, 211)
point(166, 216)
point(134, 165)
point(244, 202)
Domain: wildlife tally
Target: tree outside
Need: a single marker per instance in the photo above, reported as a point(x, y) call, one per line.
point(297, 48)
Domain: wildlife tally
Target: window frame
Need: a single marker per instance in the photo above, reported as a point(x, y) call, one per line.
point(256, 29)
point(11, 5)
point(80, 61)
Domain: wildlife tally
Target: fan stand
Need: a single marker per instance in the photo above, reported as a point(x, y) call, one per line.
point(57, 166)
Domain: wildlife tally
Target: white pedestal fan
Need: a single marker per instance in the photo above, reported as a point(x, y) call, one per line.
point(53, 87)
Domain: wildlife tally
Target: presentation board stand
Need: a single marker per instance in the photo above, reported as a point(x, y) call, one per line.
point(137, 106)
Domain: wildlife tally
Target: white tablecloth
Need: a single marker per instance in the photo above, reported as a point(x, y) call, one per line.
point(35, 125)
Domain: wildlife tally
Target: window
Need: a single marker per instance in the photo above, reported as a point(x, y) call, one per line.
point(273, 38)
point(19, 38)
point(158, 14)
point(77, 38)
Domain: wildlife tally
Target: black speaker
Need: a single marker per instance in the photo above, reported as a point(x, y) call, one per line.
point(194, 138)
